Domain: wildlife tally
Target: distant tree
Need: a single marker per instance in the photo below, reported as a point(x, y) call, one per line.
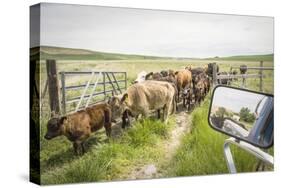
point(246, 115)
point(221, 112)
point(228, 113)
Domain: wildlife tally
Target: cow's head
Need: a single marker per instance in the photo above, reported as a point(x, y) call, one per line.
point(164, 73)
point(140, 77)
point(171, 73)
point(54, 127)
point(118, 105)
point(187, 91)
point(209, 69)
point(188, 68)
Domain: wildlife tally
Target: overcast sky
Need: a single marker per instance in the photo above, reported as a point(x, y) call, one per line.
point(236, 99)
point(154, 32)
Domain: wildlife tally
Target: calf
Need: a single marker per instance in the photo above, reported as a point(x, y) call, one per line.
point(188, 97)
point(207, 85)
point(199, 91)
point(78, 126)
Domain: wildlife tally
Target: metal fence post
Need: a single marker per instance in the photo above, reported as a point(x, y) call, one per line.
point(126, 80)
point(104, 89)
point(63, 97)
point(243, 81)
point(261, 76)
point(53, 86)
point(214, 74)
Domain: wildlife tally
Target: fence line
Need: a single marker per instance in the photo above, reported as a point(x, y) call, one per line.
point(245, 76)
point(58, 99)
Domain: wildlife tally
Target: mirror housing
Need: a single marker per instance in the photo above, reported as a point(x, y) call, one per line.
point(243, 114)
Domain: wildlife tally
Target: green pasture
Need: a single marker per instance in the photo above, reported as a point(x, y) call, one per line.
point(200, 152)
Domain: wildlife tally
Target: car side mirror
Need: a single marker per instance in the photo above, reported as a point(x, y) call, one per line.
point(243, 114)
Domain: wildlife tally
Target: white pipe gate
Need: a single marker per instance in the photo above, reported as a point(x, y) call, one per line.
point(96, 78)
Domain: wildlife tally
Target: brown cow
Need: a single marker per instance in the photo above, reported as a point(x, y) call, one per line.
point(153, 76)
point(209, 70)
point(160, 77)
point(141, 98)
point(78, 126)
point(183, 80)
point(199, 91)
point(165, 73)
point(207, 84)
point(197, 70)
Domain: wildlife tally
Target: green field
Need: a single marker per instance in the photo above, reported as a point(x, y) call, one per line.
point(199, 153)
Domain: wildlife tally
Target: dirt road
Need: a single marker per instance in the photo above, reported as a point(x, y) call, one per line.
point(183, 125)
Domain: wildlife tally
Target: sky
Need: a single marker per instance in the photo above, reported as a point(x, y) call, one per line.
point(154, 32)
point(234, 99)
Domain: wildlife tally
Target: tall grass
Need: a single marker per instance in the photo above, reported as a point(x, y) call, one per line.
point(201, 152)
point(113, 159)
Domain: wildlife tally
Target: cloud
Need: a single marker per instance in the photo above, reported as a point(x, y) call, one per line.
point(154, 32)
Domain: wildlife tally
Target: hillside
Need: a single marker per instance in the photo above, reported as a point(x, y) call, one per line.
point(265, 57)
point(59, 53)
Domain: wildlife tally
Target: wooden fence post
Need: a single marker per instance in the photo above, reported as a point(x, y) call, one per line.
point(261, 76)
point(53, 86)
point(214, 74)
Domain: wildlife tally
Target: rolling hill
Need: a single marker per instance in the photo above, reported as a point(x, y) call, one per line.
point(265, 57)
point(60, 53)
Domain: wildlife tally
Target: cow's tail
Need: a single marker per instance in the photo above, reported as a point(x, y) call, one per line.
point(174, 103)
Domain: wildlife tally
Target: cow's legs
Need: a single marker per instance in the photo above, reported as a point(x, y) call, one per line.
point(189, 102)
point(184, 102)
point(165, 110)
point(77, 147)
point(175, 107)
point(83, 147)
point(125, 119)
point(107, 127)
point(158, 114)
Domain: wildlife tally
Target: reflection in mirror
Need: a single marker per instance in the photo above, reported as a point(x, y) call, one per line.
point(243, 114)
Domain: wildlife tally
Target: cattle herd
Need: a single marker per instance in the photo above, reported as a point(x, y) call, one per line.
point(158, 92)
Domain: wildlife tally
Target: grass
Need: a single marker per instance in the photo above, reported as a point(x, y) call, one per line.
point(201, 152)
point(106, 159)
